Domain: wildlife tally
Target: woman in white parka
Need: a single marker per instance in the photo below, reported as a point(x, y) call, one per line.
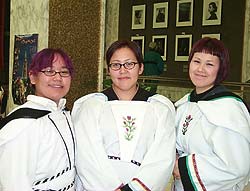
point(213, 126)
point(125, 135)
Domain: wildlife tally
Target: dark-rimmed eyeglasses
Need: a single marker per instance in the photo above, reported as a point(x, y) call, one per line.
point(63, 73)
point(127, 65)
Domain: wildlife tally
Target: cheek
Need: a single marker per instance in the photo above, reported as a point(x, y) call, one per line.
point(215, 73)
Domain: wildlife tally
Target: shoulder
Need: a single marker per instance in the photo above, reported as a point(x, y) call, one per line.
point(182, 101)
point(23, 113)
point(92, 96)
point(92, 100)
point(14, 128)
point(228, 112)
point(161, 101)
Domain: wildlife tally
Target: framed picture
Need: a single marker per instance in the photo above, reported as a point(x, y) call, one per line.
point(211, 35)
point(140, 41)
point(184, 13)
point(183, 45)
point(212, 12)
point(138, 16)
point(161, 41)
point(160, 17)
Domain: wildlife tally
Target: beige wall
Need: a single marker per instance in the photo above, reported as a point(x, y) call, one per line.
point(27, 17)
point(75, 26)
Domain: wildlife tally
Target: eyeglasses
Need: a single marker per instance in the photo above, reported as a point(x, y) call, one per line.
point(63, 73)
point(126, 65)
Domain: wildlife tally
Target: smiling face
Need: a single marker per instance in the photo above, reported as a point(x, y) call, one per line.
point(51, 87)
point(125, 80)
point(203, 71)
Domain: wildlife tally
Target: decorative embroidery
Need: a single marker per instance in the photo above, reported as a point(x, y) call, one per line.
point(197, 173)
point(62, 189)
point(129, 125)
point(186, 124)
point(52, 177)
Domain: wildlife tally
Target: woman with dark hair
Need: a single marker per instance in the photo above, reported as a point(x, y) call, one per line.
point(37, 144)
point(125, 133)
point(213, 126)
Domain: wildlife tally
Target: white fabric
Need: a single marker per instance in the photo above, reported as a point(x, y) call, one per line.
point(32, 150)
point(216, 143)
point(136, 112)
point(98, 124)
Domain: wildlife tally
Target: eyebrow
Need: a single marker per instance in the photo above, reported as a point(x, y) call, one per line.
point(121, 60)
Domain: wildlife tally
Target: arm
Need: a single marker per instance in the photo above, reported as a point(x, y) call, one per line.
point(92, 164)
point(161, 155)
point(225, 166)
point(18, 148)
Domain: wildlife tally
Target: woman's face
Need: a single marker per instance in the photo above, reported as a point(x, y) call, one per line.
point(210, 8)
point(203, 71)
point(124, 79)
point(52, 87)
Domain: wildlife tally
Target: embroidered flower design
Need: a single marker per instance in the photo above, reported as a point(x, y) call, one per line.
point(129, 125)
point(186, 124)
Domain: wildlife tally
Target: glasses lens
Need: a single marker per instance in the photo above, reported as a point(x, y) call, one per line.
point(129, 65)
point(64, 73)
point(49, 72)
point(115, 66)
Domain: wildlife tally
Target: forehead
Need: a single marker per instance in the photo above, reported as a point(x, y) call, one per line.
point(206, 56)
point(122, 54)
point(58, 61)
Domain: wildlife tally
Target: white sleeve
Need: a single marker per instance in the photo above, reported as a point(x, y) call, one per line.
point(157, 165)
point(92, 163)
point(225, 167)
point(17, 156)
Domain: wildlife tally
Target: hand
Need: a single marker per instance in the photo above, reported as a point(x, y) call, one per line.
point(176, 172)
point(119, 188)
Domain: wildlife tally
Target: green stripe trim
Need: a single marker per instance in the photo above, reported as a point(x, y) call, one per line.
point(190, 175)
point(238, 99)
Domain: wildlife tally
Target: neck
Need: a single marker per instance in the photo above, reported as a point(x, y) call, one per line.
point(126, 95)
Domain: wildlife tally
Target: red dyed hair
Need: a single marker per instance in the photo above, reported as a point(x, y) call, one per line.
point(45, 57)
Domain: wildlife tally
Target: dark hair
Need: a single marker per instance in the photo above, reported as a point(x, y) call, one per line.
point(133, 46)
point(45, 57)
point(213, 4)
point(216, 48)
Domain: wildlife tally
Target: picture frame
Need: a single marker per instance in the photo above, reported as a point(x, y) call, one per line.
point(183, 44)
point(217, 35)
point(211, 12)
point(160, 15)
point(140, 41)
point(161, 41)
point(184, 13)
point(138, 16)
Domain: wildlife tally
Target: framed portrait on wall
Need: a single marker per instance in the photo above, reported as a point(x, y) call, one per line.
point(217, 35)
point(184, 13)
point(183, 45)
point(160, 17)
point(138, 16)
point(140, 41)
point(161, 41)
point(211, 12)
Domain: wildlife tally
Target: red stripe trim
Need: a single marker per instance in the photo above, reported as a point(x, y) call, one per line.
point(142, 184)
point(197, 173)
